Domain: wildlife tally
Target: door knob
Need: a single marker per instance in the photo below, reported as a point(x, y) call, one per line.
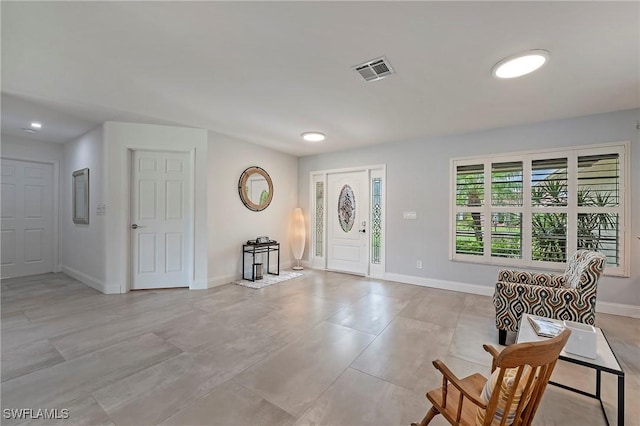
point(135, 226)
point(362, 230)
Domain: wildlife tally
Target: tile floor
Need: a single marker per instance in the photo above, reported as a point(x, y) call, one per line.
point(321, 349)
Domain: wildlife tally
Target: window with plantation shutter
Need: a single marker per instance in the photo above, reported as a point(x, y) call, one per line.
point(599, 211)
point(549, 201)
point(469, 205)
point(506, 209)
point(537, 208)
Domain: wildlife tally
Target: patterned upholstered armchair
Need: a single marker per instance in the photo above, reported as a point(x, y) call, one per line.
point(571, 296)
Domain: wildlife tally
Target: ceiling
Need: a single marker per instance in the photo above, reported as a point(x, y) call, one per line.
point(267, 71)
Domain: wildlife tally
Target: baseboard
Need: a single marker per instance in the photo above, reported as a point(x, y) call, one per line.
point(226, 279)
point(631, 311)
point(441, 284)
point(199, 285)
point(289, 264)
point(91, 281)
point(222, 280)
point(618, 309)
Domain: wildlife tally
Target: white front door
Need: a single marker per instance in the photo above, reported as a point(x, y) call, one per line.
point(160, 212)
point(347, 216)
point(27, 218)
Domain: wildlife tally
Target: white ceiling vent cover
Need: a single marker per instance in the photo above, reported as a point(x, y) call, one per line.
point(376, 69)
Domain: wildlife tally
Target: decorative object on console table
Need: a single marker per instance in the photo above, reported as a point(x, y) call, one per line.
point(545, 327)
point(582, 341)
point(298, 237)
point(257, 271)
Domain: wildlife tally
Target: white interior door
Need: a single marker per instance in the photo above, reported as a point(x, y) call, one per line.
point(160, 218)
point(347, 227)
point(27, 218)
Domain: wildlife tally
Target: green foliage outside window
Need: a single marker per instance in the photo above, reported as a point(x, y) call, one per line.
point(596, 231)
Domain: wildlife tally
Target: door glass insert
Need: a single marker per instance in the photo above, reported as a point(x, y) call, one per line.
point(376, 220)
point(319, 218)
point(346, 208)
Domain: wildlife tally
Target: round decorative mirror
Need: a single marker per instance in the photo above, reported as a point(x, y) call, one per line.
point(255, 188)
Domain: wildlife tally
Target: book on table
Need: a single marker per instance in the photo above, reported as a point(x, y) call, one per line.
point(545, 327)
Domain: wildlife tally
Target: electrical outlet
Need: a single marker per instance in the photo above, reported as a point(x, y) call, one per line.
point(419, 264)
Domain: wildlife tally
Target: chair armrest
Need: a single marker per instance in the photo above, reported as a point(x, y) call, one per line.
point(494, 355)
point(459, 384)
point(523, 277)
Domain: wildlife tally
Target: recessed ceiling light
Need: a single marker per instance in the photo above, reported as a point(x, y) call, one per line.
point(520, 64)
point(36, 125)
point(313, 136)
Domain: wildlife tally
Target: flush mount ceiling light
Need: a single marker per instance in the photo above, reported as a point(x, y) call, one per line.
point(28, 130)
point(313, 136)
point(520, 64)
point(36, 125)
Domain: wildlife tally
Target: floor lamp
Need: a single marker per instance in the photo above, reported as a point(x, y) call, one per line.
point(298, 240)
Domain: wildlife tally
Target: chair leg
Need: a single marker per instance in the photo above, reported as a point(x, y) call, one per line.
point(502, 337)
point(427, 419)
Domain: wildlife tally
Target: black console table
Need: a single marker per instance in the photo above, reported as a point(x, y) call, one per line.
point(253, 249)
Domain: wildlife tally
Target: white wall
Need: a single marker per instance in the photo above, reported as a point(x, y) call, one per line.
point(83, 246)
point(418, 180)
point(14, 146)
point(18, 148)
point(230, 223)
point(120, 139)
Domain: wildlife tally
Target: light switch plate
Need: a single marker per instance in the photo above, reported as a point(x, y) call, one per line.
point(410, 215)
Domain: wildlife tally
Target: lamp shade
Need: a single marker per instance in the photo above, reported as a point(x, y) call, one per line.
point(298, 235)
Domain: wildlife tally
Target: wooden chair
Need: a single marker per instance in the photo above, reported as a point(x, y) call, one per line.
point(530, 366)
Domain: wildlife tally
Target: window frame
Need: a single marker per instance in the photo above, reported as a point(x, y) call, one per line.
point(527, 209)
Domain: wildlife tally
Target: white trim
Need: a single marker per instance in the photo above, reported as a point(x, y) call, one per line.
point(349, 169)
point(542, 151)
point(91, 281)
point(221, 280)
point(631, 311)
point(482, 290)
point(228, 279)
point(191, 270)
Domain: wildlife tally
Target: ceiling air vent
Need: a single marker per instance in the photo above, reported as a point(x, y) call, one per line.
point(375, 69)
